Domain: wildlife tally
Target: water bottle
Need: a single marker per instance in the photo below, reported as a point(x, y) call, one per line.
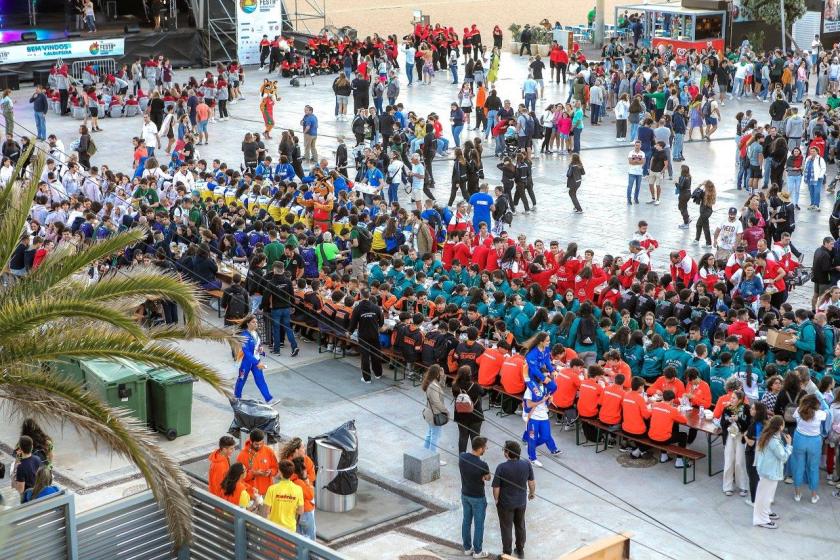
point(702, 412)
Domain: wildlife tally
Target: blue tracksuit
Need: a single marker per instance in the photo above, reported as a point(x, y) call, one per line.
point(250, 364)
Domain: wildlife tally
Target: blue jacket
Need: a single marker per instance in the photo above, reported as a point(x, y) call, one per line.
point(250, 358)
point(538, 360)
point(770, 461)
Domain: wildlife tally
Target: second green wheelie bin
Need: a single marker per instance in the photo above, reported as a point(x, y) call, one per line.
point(170, 402)
point(118, 384)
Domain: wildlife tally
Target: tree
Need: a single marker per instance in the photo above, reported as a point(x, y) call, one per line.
point(768, 11)
point(51, 315)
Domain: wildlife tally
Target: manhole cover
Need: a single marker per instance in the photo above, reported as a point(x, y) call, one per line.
point(626, 460)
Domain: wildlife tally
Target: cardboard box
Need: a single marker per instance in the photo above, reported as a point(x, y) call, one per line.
point(781, 339)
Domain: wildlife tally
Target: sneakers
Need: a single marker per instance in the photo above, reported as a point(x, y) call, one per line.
point(683, 226)
point(773, 515)
point(663, 458)
point(625, 449)
point(368, 381)
point(468, 552)
point(679, 463)
point(482, 554)
point(656, 202)
point(788, 480)
point(295, 352)
point(770, 525)
point(742, 493)
point(557, 452)
point(815, 499)
point(536, 463)
point(442, 463)
point(636, 453)
point(797, 497)
point(728, 492)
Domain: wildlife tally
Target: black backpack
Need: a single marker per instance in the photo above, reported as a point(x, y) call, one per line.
point(586, 331)
point(819, 339)
point(365, 239)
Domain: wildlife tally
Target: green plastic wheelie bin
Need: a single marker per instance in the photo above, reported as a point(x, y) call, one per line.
point(170, 402)
point(118, 384)
point(70, 369)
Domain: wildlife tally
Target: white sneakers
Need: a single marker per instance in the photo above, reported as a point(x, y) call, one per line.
point(536, 463)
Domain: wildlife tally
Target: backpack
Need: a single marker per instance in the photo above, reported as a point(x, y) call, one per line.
point(538, 129)
point(529, 126)
point(706, 110)
point(365, 239)
point(586, 331)
point(670, 104)
point(238, 304)
point(91, 147)
point(790, 408)
point(709, 325)
point(463, 403)
point(819, 339)
point(310, 262)
point(77, 223)
point(697, 195)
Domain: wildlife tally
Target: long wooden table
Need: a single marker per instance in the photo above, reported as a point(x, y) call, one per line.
point(711, 430)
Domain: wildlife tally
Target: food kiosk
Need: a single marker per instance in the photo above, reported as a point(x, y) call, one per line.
point(673, 24)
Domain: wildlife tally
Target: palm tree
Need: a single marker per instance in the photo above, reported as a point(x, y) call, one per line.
point(55, 312)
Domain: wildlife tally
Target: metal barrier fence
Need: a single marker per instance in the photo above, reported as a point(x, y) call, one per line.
point(103, 67)
point(135, 528)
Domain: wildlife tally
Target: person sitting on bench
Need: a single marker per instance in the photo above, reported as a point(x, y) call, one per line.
point(635, 414)
point(663, 415)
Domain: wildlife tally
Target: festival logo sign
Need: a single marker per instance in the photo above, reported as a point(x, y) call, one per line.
point(248, 6)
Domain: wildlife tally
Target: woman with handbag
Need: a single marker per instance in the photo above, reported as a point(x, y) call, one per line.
point(435, 412)
point(574, 177)
point(772, 451)
point(468, 414)
point(734, 422)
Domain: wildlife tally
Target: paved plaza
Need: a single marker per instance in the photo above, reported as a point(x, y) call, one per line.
point(581, 496)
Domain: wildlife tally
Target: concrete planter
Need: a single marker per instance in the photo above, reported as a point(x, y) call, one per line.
point(514, 47)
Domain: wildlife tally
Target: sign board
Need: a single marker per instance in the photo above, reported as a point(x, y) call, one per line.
point(255, 18)
point(681, 48)
point(87, 48)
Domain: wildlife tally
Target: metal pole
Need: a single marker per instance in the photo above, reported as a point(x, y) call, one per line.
point(782, 8)
point(598, 31)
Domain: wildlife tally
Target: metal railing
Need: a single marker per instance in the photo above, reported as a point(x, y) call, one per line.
point(103, 67)
point(135, 528)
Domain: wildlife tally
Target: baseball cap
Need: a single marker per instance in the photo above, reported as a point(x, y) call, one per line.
point(635, 244)
point(733, 211)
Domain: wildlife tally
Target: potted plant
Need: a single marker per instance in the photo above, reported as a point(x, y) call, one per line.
point(514, 37)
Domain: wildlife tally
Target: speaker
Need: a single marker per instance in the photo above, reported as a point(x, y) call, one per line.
point(29, 36)
point(41, 77)
point(9, 80)
point(132, 28)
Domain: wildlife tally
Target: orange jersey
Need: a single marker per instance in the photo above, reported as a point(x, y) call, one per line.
point(489, 366)
point(263, 459)
point(723, 402)
point(219, 465)
point(662, 384)
point(589, 397)
point(611, 398)
point(237, 493)
point(634, 412)
point(623, 368)
point(568, 383)
point(699, 394)
point(513, 373)
point(662, 418)
point(308, 492)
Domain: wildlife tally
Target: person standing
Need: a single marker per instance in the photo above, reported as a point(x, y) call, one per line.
point(310, 133)
point(771, 453)
point(277, 300)
point(435, 413)
point(27, 465)
point(813, 174)
point(259, 460)
point(252, 354)
point(149, 133)
point(577, 128)
point(574, 177)
point(822, 269)
point(367, 317)
point(474, 473)
point(728, 234)
point(468, 414)
point(39, 109)
point(284, 500)
point(807, 446)
point(622, 111)
point(636, 163)
point(219, 464)
point(202, 117)
point(513, 485)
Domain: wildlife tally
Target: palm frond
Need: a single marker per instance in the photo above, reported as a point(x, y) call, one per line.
point(145, 282)
point(55, 343)
point(201, 331)
point(20, 318)
point(46, 397)
point(15, 202)
point(63, 262)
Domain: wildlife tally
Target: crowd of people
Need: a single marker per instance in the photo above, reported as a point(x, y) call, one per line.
point(320, 250)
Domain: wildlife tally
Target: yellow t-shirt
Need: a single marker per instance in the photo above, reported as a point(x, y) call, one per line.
point(283, 500)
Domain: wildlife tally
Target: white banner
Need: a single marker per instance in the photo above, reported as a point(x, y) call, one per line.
point(255, 18)
point(90, 48)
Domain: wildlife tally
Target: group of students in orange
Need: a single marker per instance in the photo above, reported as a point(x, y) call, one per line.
point(252, 481)
point(606, 391)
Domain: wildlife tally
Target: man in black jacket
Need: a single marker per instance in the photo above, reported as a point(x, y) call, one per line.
point(822, 268)
point(277, 300)
point(368, 318)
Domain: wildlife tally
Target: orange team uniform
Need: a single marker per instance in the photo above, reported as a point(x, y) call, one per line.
point(723, 402)
point(513, 372)
point(308, 492)
point(662, 418)
point(634, 412)
point(489, 366)
point(568, 383)
point(623, 368)
point(237, 493)
point(310, 469)
point(219, 465)
point(264, 459)
point(662, 384)
point(566, 356)
point(589, 397)
point(700, 394)
point(611, 399)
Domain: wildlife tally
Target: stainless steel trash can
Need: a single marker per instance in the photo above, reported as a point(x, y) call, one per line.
point(328, 460)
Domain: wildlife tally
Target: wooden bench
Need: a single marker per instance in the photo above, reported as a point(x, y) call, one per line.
point(684, 453)
point(217, 295)
point(506, 397)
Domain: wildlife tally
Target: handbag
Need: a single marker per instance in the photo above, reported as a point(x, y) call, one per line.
point(438, 418)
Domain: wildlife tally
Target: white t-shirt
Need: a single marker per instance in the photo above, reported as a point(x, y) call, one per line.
point(639, 158)
point(540, 411)
point(809, 427)
point(729, 234)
